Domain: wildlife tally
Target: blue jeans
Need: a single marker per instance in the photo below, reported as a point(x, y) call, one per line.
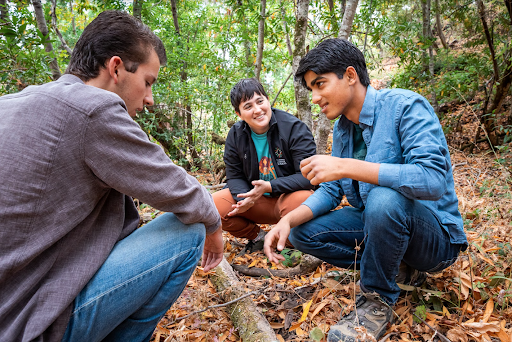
point(140, 280)
point(391, 228)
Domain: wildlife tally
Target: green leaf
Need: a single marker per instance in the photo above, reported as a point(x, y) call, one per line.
point(316, 334)
point(421, 312)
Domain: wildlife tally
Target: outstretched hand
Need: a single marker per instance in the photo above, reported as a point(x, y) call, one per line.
point(213, 249)
point(250, 197)
point(275, 241)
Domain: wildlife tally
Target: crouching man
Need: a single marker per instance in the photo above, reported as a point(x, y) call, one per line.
point(391, 161)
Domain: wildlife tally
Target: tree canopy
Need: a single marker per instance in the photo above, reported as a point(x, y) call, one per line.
point(447, 50)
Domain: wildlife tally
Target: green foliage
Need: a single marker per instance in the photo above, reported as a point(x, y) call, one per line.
point(316, 334)
point(421, 312)
point(23, 60)
point(291, 257)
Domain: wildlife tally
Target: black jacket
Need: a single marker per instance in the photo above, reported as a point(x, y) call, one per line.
point(290, 141)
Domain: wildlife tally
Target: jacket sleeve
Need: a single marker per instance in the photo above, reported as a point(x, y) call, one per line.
point(301, 146)
point(120, 154)
point(422, 176)
point(236, 180)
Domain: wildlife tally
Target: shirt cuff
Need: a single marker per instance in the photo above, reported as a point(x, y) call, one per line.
point(389, 175)
point(317, 204)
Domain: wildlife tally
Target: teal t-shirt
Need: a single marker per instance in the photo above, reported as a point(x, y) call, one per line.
point(266, 167)
point(359, 144)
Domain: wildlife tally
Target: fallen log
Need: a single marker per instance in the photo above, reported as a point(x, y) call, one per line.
point(250, 323)
point(307, 264)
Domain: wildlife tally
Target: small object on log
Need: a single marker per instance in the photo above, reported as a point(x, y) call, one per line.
point(308, 264)
point(250, 323)
point(214, 187)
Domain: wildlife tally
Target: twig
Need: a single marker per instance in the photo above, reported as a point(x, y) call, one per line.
point(385, 338)
point(282, 87)
point(441, 336)
point(213, 307)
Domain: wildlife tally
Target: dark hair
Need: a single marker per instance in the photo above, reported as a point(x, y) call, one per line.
point(244, 90)
point(333, 55)
point(113, 33)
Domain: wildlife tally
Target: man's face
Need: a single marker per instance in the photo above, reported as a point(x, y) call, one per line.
point(332, 94)
point(135, 87)
point(256, 112)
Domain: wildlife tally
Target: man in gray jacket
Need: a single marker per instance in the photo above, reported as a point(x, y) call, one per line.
point(73, 266)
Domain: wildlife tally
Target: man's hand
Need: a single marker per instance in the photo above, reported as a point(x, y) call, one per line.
point(320, 168)
point(249, 198)
point(276, 238)
point(213, 249)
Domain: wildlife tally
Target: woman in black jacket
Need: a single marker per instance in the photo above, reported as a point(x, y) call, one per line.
point(262, 156)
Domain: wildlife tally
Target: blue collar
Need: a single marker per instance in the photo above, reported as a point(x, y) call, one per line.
point(367, 115)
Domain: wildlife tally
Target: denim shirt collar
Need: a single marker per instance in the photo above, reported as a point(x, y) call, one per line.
point(366, 117)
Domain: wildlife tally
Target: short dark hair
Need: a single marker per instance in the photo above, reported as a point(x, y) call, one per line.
point(244, 90)
point(333, 55)
point(113, 33)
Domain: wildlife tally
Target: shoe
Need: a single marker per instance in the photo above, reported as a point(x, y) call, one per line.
point(252, 246)
point(410, 276)
point(256, 244)
point(370, 313)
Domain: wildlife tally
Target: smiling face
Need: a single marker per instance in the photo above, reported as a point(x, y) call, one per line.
point(336, 96)
point(256, 112)
point(135, 87)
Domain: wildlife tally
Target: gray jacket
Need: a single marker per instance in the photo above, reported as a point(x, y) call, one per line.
point(70, 158)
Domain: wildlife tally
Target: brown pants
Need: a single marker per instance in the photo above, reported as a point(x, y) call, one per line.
point(266, 210)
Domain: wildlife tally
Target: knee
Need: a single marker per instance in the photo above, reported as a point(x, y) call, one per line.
point(180, 234)
point(384, 202)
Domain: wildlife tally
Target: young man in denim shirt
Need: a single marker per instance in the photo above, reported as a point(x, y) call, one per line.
point(391, 161)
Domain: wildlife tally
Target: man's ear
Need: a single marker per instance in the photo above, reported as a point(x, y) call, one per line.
point(113, 65)
point(238, 113)
point(351, 75)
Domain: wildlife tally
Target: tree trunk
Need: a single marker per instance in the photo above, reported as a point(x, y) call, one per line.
point(299, 41)
point(425, 13)
point(4, 11)
point(41, 25)
point(487, 118)
point(323, 128)
point(439, 26)
point(250, 323)
point(73, 23)
point(249, 60)
point(285, 28)
point(332, 16)
point(261, 39)
point(56, 28)
point(137, 9)
point(343, 6)
point(187, 109)
point(429, 61)
point(348, 19)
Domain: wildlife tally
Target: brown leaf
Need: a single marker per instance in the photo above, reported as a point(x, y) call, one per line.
point(457, 335)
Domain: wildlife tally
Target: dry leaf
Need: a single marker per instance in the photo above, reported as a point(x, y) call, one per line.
point(483, 327)
point(457, 335)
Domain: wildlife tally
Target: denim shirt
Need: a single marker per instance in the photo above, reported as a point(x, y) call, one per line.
point(403, 134)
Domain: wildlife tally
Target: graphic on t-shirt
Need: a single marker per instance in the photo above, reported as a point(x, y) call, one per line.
point(267, 170)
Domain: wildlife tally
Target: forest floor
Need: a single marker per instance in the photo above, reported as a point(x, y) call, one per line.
point(469, 301)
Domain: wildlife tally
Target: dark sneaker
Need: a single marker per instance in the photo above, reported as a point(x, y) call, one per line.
point(252, 246)
point(370, 317)
point(410, 276)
